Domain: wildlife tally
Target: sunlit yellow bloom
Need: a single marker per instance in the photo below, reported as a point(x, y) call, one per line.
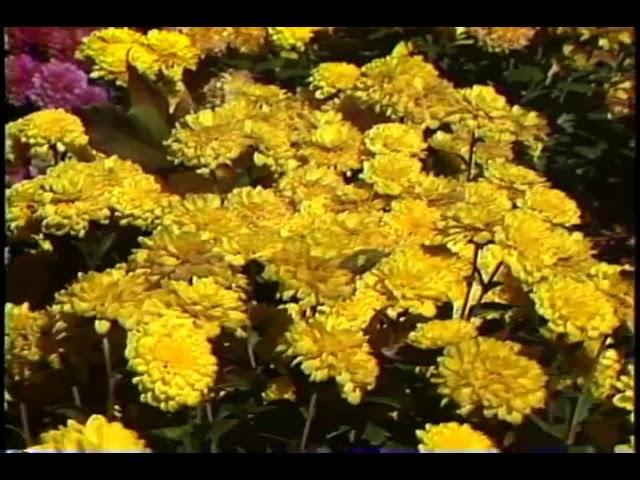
point(553, 206)
point(561, 300)
point(412, 221)
point(392, 174)
point(489, 374)
point(46, 135)
point(292, 38)
point(453, 437)
point(98, 435)
point(535, 249)
point(108, 49)
point(332, 77)
point(172, 362)
point(405, 87)
point(173, 51)
point(390, 138)
point(106, 295)
point(418, 281)
point(626, 389)
point(511, 175)
point(602, 384)
point(27, 341)
point(325, 350)
point(442, 333)
point(500, 39)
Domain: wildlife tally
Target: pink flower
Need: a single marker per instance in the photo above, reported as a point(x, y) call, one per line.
point(52, 42)
point(20, 71)
point(63, 85)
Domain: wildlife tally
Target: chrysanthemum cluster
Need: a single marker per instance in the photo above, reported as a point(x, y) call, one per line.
point(348, 220)
point(97, 435)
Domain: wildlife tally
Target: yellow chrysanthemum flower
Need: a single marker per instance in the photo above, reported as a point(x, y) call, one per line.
point(172, 362)
point(27, 341)
point(98, 435)
point(553, 206)
point(292, 38)
point(46, 135)
point(500, 39)
point(489, 374)
point(418, 281)
point(311, 278)
point(561, 300)
point(326, 350)
point(602, 384)
point(458, 142)
point(621, 95)
point(442, 333)
point(280, 388)
point(173, 51)
point(108, 49)
point(412, 221)
point(183, 255)
point(73, 194)
point(394, 138)
point(332, 77)
point(611, 280)
point(477, 216)
point(453, 437)
point(511, 175)
point(626, 388)
point(535, 249)
point(210, 304)
point(107, 295)
point(404, 87)
point(392, 174)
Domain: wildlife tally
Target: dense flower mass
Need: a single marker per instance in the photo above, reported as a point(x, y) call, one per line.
point(98, 435)
point(453, 437)
point(500, 39)
point(172, 363)
point(491, 375)
point(275, 226)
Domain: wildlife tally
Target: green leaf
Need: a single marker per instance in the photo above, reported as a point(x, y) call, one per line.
point(581, 449)
point(111, 132)
point(575, 87)
point(362, 260)
point(390, 402)
point(219, 429)
point(489, 307)
point(149, 107)
point(558, 431)
point(525, 74)
point(174, 433)
point(374, 434)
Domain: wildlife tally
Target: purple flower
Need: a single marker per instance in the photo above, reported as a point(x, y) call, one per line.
point(52, 42)
point(63, 85)
point(20, 71)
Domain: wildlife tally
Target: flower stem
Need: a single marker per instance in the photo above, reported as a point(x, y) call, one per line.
point(110, 378)
point(307, 425)
point(583, 398)
point(75, 391)
point(470, 159)
point(209, 412)
point(470, 282)
point(24, 418)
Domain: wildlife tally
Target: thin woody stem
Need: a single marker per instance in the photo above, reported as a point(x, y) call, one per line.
point(307, 424)
point(75, 391)
point(110, 379)
point(471, 282)
point(573, 430)
point(24, 419)
point(470, 159)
